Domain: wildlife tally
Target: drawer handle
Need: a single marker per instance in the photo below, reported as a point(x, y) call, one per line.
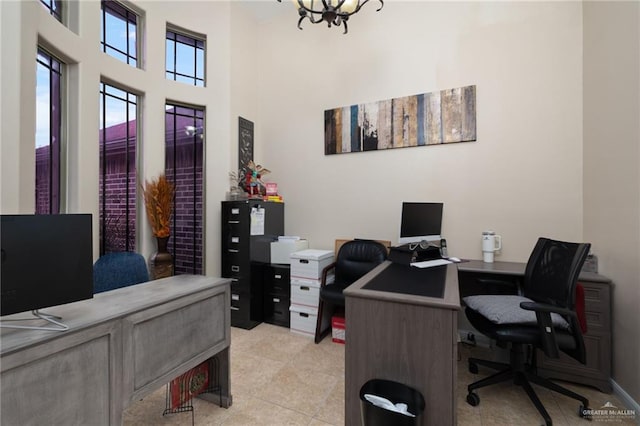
point(235, 240)
point(235, 297)
point(278, 276)
point(235, 268)
point(304, 288)
point(234, 222)
point(235, 211)
point(233, 251)
point(233, 308)
point(234, 279)
point(277, 312)
point(304, 261)
point(304, 315)
point(276, 300)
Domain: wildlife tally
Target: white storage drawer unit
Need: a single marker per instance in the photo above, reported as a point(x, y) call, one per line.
point(303, 320)
point(306, 291)
point(281, 250)
point(310, 263)
point(304, 294)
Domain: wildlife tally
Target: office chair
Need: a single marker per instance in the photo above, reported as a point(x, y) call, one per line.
point(119, 269)
point(355, 258)
point(544, 317)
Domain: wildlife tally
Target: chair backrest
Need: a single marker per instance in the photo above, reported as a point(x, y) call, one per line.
point(119, 269)
point(551, 277)
point(356, 258)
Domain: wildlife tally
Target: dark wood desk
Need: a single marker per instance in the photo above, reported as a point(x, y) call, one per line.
point(597, 339)
point(403, 337)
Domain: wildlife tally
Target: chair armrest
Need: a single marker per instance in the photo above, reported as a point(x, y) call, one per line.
point(543, 316)
point(325, 273)
point(543, 307)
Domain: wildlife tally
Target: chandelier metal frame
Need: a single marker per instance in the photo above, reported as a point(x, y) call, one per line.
point(330, 14)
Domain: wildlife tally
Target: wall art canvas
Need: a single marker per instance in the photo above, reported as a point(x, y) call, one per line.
point(432, 118)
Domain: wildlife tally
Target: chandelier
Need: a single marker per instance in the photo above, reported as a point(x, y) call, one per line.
point(333, 12)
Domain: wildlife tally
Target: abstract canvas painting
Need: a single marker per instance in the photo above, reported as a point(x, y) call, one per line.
point(432, 118)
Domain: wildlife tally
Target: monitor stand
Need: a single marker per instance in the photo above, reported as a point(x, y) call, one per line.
point(36, 313)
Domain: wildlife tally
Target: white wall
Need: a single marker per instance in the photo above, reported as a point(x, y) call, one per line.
point(523, 175)
point(23, 23)
point(612, 169)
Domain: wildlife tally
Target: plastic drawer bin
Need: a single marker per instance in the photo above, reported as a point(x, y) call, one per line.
point(397, 393)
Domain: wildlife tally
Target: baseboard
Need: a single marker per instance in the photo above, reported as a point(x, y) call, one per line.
point(626, 399)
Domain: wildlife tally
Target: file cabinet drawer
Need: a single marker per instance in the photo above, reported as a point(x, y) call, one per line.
point(276, 310)
point(277, 280)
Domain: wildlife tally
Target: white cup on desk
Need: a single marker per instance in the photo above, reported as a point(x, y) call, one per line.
point(491, 243)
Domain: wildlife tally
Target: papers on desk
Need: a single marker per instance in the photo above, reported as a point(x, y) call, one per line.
point(430, 263)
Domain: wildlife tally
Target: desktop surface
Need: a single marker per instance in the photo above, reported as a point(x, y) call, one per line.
point(398, 278)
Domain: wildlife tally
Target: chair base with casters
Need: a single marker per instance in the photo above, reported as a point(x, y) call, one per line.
point(545, 317)
point(522, 374)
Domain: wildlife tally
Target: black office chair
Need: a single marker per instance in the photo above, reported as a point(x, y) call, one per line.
point(355, 258)
point(119, 269)
point(544, 317)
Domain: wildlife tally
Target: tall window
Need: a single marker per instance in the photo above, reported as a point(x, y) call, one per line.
point(54, 7)
point(185, 59)
point(118, 137)
point(119, 32)
point(48, 132)
point(184, 167)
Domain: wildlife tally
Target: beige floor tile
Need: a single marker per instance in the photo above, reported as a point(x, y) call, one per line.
point(302, 390)
point(316, 422)
point(280, 378)
point(280, 347)
point(255, 411)
point(249, 372)
point(332, 412)
point(326, 357)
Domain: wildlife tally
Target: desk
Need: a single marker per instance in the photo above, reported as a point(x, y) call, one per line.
point(597, 339)
point(122, 345)
point(406, 338)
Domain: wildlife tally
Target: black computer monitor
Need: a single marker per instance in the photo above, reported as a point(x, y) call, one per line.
point(46, 260)
point(420, 222)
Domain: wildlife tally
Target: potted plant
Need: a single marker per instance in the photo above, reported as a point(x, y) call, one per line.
point(158, 201)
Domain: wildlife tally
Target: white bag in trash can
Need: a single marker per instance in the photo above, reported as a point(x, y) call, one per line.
point(381, 402)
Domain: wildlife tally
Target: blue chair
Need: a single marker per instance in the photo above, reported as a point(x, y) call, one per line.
point(119, 269)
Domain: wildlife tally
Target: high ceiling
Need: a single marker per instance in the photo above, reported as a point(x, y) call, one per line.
point(267, 9)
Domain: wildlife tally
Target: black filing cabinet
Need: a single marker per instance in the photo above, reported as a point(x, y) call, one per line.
point(277, 294)
point(245, 254)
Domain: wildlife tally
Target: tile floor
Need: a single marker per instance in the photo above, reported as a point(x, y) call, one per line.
point(279, 378)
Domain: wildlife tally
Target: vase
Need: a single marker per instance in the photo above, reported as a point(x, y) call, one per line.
point(161, 262)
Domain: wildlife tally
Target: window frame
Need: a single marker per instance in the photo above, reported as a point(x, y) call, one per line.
point(129, 16)
point(199, 114)
point(56, 9)
point(57, 132)
point(130, 241)
point(192, 40)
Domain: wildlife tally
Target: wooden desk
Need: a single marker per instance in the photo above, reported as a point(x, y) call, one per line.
point(597, 339)
point(122, 345)
point(406, 338)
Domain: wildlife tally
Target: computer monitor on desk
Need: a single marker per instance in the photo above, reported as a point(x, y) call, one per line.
point(420, 222)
